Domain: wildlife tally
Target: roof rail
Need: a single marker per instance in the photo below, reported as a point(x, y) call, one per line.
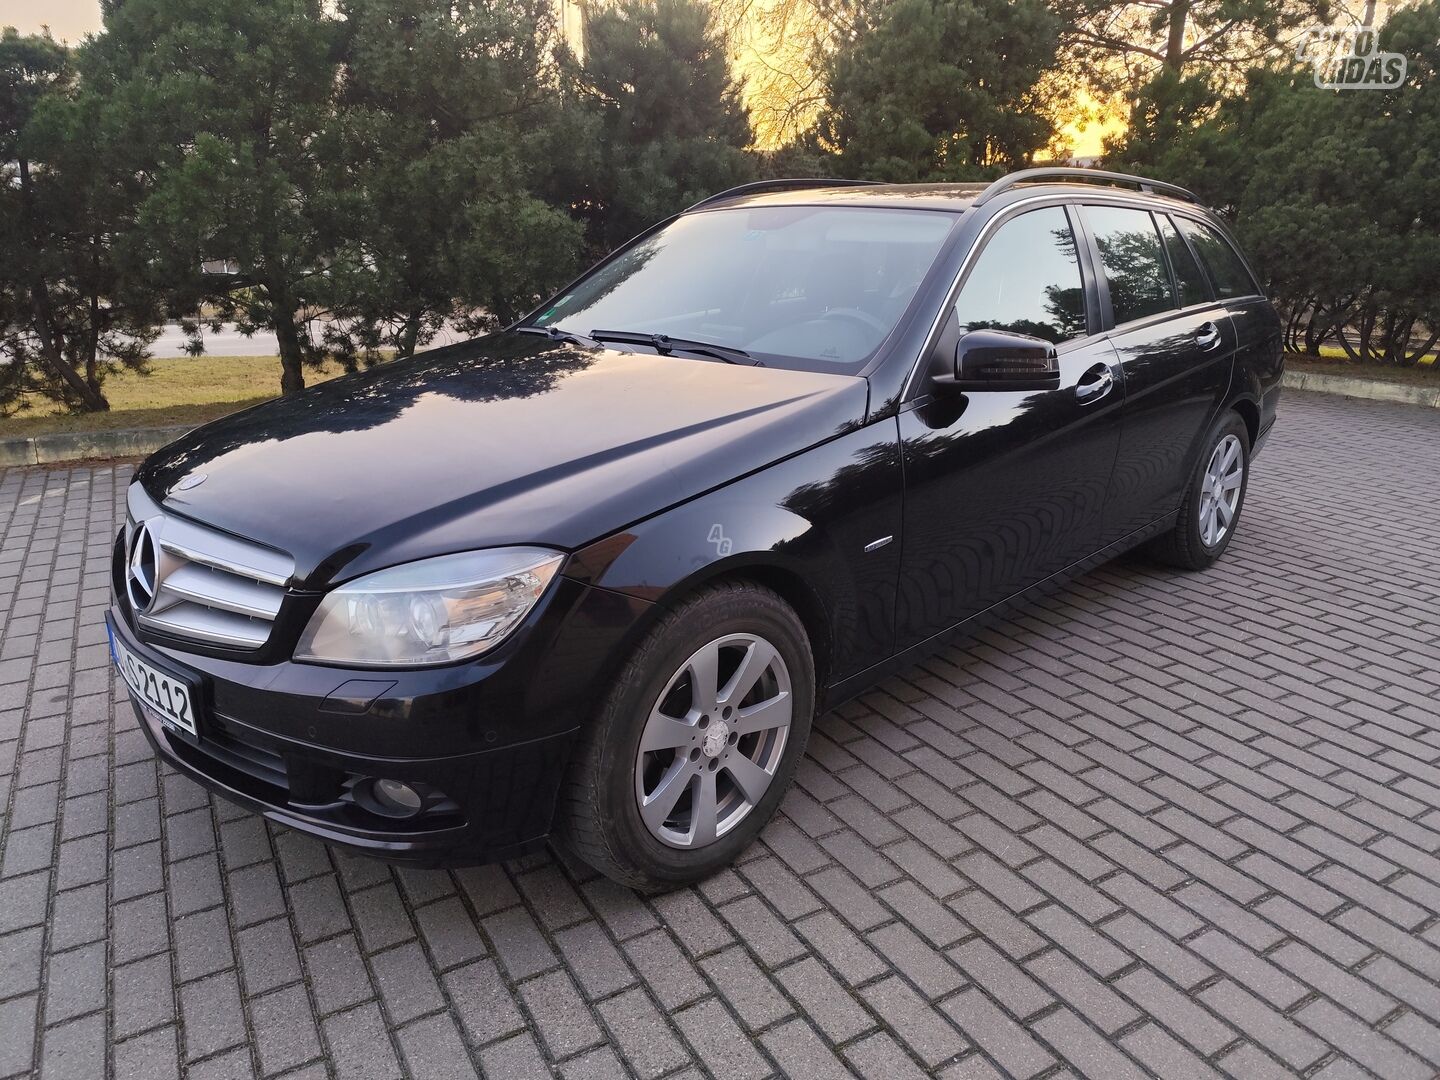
point(1030, 176)
point(760, 186)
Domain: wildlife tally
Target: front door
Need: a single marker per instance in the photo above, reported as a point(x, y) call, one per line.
point(1006, 488)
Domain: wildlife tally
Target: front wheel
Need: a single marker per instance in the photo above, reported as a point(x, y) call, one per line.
point(1213, 501)
point(695, 744)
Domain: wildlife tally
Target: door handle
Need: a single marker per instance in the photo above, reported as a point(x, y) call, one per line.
point(1094, 384)
point(1207, 336)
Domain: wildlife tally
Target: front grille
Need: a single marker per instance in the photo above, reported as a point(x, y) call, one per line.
point(194, 582)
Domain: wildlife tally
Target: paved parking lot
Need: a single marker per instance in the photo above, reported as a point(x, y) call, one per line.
point(1170, 824)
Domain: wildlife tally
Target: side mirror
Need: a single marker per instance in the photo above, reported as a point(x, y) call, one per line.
point(1001, 360)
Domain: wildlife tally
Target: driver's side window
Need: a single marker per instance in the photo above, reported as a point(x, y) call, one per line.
point(1027, 280)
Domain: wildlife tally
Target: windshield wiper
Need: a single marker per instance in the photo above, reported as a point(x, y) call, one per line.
point(664, 344)
point(554, 333)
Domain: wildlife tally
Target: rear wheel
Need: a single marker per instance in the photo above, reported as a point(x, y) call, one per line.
point(1213, 501)
point(695, 744)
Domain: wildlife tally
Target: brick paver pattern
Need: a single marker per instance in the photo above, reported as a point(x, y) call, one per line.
point(1181, 824)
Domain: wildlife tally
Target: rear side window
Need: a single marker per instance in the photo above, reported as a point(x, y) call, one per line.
point(1027, 280)
point(1226, 270)
point(1133, 261)
point(1188, 277)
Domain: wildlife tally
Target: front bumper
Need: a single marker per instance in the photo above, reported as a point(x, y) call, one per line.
point(297, 742)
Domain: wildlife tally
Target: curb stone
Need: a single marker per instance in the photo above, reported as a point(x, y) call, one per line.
point(1370, 389)
point(77, 446)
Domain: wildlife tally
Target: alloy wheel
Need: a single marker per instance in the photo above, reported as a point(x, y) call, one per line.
point(713, 740)
point(1220, 491)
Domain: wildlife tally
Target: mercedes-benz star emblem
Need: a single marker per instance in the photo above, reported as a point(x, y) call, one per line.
point(185, 483)
point(140, 573)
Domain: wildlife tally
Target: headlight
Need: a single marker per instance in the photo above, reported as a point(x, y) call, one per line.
point(429, 612)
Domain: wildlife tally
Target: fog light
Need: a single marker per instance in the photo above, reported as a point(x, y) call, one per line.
point(396, 799)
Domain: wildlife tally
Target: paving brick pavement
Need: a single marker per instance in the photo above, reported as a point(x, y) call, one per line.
point(1183, 825)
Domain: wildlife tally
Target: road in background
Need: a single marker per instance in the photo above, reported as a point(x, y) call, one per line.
point(228, 342)
point(231, 342)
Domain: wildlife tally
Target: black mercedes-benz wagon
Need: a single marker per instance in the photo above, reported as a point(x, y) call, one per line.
point(595, 574)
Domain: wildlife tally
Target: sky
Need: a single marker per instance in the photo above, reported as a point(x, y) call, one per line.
point(69, 20)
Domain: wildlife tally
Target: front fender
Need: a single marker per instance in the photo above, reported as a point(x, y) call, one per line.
point(800, 525)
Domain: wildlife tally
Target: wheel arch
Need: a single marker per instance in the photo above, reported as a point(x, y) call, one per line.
point(1250, 413)
point(790, 586)
point(787, 583)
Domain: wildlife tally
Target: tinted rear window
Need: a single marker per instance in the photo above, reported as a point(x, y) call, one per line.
point(1133, 260)
point(1188, 277)
point(1226, 270)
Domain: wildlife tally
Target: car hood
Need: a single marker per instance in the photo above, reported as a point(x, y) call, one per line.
point(507, 439)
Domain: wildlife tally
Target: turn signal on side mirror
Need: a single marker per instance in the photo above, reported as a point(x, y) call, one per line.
point(1002, 360)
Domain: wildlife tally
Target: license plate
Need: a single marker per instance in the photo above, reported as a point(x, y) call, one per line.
point(167, 696)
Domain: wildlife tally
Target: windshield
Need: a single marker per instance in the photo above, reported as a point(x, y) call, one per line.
point(816, 287)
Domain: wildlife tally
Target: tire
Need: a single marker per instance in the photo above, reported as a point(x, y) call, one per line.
point(613, 808)
point(1202, 532)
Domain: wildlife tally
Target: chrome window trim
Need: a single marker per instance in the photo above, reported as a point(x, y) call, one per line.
point(1099, 197)
point(1234, 247)
point(1161, 316)
point(953, 293)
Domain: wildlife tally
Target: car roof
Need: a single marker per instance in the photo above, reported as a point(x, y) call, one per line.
point(915, 196)
point(954, 198)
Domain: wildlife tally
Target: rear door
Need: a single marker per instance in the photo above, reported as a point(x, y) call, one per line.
point(1176, 346)
point(1257, 328)
point(1006, 488)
